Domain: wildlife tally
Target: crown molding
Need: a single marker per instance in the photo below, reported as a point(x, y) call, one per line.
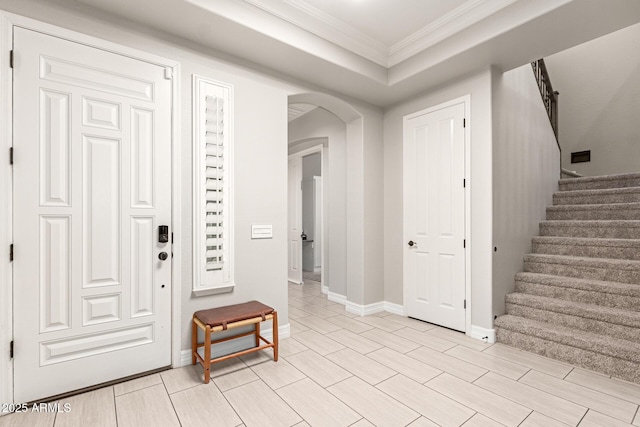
point(325, 26)
point(313, 20)
point(458, 19)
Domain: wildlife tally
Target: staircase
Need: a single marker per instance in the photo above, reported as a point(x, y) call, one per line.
point(578, 299)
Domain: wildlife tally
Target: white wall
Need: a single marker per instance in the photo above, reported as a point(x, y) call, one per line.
point(320, 123)
point(526, 168)
point(599, 85)
point(480, 185)
point(260, 119)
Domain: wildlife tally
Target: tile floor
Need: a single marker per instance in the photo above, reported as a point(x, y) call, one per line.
point(338, 369)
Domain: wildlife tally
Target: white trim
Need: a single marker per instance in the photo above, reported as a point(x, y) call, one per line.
point(176, 218)
point(460, 18)
point(466, 100)
point(6, 226)
point(319, 148)
point(340, 299)
point(483, 334)
point(7, 22)
point(227, 284)
point(365, 310)
point(232, 346)
point(394, 308)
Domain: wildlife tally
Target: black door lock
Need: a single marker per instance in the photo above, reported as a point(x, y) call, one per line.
point(163, 234)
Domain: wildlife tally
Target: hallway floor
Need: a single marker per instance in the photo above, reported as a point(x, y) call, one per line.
point(337, 369)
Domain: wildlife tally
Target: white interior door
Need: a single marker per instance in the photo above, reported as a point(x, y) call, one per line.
point(295, 219)
point(92, 184)
point(434, 217)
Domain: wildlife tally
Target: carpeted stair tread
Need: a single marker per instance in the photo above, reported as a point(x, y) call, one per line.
point(605, 181)
point(599, 196)
point(605, 229)
point(587, 247)
point(596, 343)
point(608, 211)
point(581, 290)
point(618, 264)
point(595, 360)
point(587, 311)
point(617, 270)
point(599, 286)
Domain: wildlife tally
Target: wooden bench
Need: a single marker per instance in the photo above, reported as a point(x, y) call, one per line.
point(230, 317)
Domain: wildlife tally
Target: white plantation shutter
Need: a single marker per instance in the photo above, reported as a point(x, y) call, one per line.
point(214, 182)
point(213, 264)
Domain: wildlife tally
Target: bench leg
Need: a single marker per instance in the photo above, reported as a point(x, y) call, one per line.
point(257, 330)
point(275, 336)
point(207, 355)
point(194, 342)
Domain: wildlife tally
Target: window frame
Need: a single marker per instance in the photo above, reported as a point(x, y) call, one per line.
point(220, 281)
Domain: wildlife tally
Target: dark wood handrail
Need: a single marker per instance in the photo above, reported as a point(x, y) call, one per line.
point(549, 96)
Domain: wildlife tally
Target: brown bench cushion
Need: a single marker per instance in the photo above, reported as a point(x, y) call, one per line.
point(222, 316)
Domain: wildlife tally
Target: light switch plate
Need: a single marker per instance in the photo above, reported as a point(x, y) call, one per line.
point(263, 231)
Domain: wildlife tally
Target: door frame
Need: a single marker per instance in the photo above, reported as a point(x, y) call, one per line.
point(466, 100)
point(302, 153)
point(7, 22)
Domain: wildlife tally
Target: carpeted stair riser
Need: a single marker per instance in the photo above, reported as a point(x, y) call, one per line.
point(597, 197)
point(609, 365)
point(591, 229)
point(595, 183)
point(616, 211)
point(582, 247)
point(585, 296)
point(578, 299)
point(600, 320)
point(584, 268)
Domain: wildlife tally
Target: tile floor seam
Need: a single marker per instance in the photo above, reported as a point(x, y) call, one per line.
point(240, 385)
point(169, 397)
point(458, 402)
point(228, 403)
point(589, 408)
point(565, 377)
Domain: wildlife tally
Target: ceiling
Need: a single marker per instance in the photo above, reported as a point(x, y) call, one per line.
point(378, 51)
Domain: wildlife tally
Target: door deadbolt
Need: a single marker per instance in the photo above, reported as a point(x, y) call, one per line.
point(163, 256)
point(163, 234)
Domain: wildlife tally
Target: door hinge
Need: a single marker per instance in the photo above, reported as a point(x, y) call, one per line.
point(168, 73)
point(464, 243)
point(11, 59)
point(11, 350)
point(172, 237)
point(11, 252)
point(465, 304)
point(10, 155)
point(464, 123)
point(464, 183)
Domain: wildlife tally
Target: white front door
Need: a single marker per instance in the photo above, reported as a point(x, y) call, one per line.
point(92, 185)
point(434, 217)
point(295, 219)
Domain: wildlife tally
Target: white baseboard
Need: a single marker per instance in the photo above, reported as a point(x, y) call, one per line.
point(365, 310)
point(324, 289)
point(232, 346)
point(340, 299)
point(484, 334)
point(394, 308)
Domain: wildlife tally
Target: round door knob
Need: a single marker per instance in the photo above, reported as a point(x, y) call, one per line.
point(412, 243)
point(163, 256)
